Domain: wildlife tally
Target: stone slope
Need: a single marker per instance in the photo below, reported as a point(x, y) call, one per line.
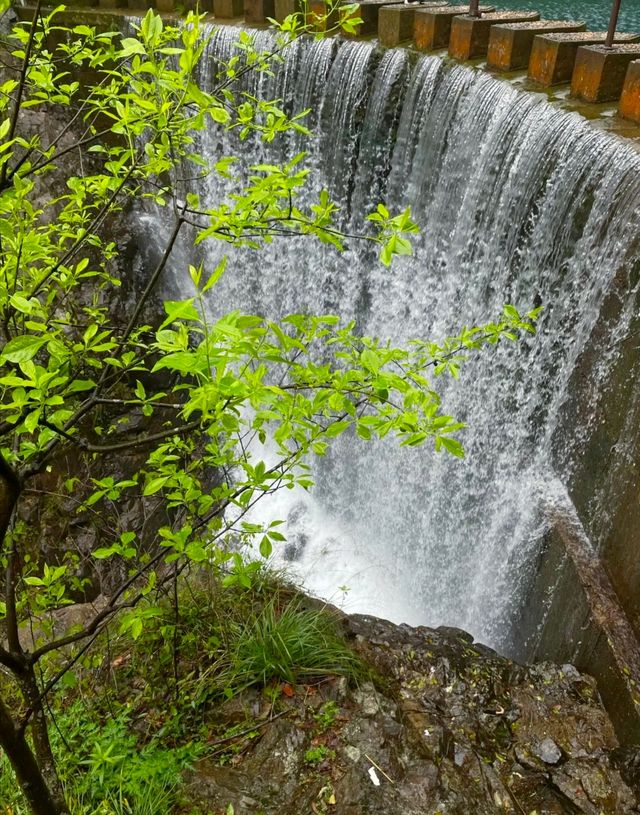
point(450, 727)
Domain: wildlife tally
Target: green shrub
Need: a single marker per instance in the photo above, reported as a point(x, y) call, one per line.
point(316, 755)
point(104, 770)
point(290, 644)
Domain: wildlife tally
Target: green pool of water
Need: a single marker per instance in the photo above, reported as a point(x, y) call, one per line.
point(595, 13)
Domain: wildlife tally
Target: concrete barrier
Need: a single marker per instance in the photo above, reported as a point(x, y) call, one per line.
point(283, 8)
point(321, 15)
point(510, 45)
point(470, 35)
point(630, 99)
point(553, 56)
point(599, 72)
point(228, 9)
point(257, 12)
point(395, 23)
point(432, 26)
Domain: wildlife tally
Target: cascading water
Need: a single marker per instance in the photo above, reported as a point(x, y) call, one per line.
point(518, 202)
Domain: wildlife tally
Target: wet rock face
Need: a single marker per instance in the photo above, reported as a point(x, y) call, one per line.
point(448, 728)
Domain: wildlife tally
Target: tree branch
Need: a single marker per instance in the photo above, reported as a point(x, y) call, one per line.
point(10, 490)
point(15, 113)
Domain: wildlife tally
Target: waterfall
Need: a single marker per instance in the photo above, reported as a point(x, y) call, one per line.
point(518, 202)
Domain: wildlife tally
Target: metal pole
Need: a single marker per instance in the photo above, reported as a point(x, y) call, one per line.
point(613, 23)
point(474, 8)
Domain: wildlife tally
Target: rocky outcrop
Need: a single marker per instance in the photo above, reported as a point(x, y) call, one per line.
point(447, 727)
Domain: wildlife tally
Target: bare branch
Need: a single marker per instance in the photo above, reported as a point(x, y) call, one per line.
point(21, 86)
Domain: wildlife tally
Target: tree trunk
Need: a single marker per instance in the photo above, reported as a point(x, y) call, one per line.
point(35, 769)
point(30, 778)
point(40, 736)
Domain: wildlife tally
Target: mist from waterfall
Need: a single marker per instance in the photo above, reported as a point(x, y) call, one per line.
point(518, 202)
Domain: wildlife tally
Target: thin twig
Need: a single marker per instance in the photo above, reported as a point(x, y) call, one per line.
point(378, 767)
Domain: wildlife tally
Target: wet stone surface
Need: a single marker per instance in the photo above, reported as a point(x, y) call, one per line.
point(446, 727)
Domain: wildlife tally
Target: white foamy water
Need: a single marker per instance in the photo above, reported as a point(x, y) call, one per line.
point(518, 202)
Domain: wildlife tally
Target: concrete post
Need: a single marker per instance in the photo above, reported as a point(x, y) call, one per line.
point(600, 71)
point(630, 99)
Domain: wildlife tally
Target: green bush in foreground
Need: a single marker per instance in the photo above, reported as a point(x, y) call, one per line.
point(258, 637)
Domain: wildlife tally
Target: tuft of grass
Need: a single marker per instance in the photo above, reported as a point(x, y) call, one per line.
point(289, 644)
point(233, 638)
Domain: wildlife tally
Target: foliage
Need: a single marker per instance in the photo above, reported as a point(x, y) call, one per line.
point(231, 638)
point(290, 644)
point(198, 393)
point(124, 753)
point(327, 715)
point(103, 768)
point(318, 754)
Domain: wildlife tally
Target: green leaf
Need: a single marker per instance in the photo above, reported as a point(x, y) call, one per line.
point(178, 310)
point(132, 46)
point(370, 360)
point(22, 349)
point(103, 553)
point(79, 385)
point(155, 484)
point(195, 551)
point(452, 446)
point(336, 429)
point(215, 275)
point(265, 547)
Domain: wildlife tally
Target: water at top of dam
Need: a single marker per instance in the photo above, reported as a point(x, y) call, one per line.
point(595, 13)
point(518, 202)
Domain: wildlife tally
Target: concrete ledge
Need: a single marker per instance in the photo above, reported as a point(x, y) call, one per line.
point(630, 99)
point(395, 24)
point(283, 8)
point(470, 35)
point(553, 56)
point(599, 72)
point(510, 45)
point(228, 9)
point(432, 26)
point(367, 11)
point(584, 623)
point(257, 11)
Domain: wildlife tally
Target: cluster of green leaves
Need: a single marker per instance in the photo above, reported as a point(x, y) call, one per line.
point(318, 754)
point(104, 769)
point(327, 18)
point(65, 358)
point(327, 715)
point(244, 379)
